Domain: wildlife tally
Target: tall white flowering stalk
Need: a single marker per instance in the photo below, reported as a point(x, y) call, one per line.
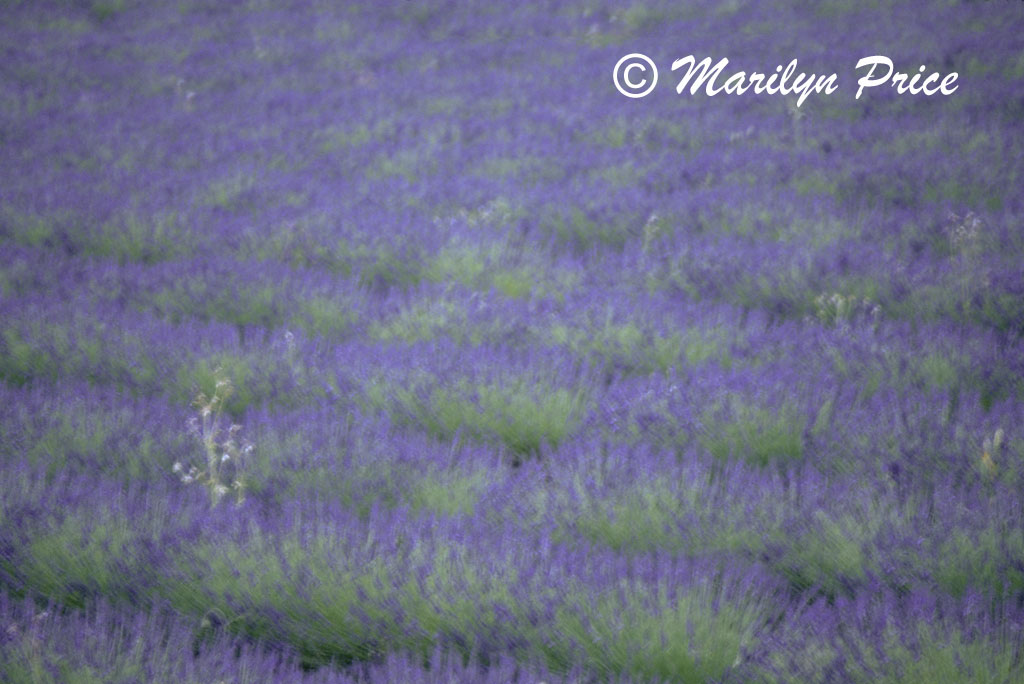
point(225, 452)
point(966, 241)
point(990, 454)
point(841, 311)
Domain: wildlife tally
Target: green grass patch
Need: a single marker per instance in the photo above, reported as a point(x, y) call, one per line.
point(22, 361)
point(448, 493)
point(324, 317)
point(251, 589)
point(422, 321)
point(759, 435)
point(655, 516)
point(386, 270)
point(103, 10)
point(232, 193)
point(700, 346)
point(299, 589)
point(82, 348)
point(830, 555)
point(990, 561)
point(577, 230)
point(640, 632)
point(625, 347)
point(936, 655)
point(519, 414)
point(251, 377)
point(236, 305)
point(31, 229)
point(466, 264)
point(482, 269)
point(133, 238)
point(84, 557)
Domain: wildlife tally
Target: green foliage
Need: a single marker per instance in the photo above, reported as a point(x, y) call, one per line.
point(232, 193)
point(515, 283)
point(308, 244)
point(359, 487)
point(579, 231)
point(21, 361)
point(336, 138)
point(38, 349)
point(448, 492)
point(700, 346)
point(324, 317)
point(68, 435)
point(16, 278)
point(782, 292)
point(530, 169)
point(1000, 311)
point(638, 521)
point(337, 612)
point(461, 263)
point(77, 560)
point(387, 270)
point(28, 229)
point(407, 164)
point(128, 237)
point(458, 597)
point(937, 371)
point(251, 307)
point(106, 9)
point(318, 619)
point(935, 655)
point(830, 554)
point(991, 561)
point(519, 414)
point(422, 321)
point(625, 347)
point(655, 516)
point(641, 633)
point(333, 610)
point(485, 268)
point(137, 239)
point(202, 376)
point(760, 436)
point(227, 302)
point(38, 660)
point(522, 417)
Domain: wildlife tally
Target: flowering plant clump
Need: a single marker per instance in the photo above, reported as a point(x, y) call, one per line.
point(964, 232)
point(842, 311)
point(225, 452)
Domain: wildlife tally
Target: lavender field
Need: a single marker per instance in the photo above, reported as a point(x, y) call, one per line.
point(388, 341)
